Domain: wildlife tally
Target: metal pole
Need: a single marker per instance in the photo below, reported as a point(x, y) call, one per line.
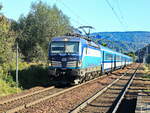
point(17, 66)
point(146, 53)
point(139, 52)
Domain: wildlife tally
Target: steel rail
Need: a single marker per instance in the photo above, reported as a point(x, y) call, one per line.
point(23, 106)
point(89, 100)
point(26, 95)
point(125, 91)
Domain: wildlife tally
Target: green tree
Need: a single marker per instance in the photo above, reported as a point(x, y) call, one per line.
point(131, 54)
point(38, 27)
point(7, 56)
point(7, 51)
point(104, 44)
point(7, 40)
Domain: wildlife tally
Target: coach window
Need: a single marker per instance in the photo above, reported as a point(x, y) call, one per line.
point(118, 58)
point(108, 56)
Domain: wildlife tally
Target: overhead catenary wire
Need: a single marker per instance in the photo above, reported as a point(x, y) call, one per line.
point(120, 18)
point(72, 11)
point(116, 14)
point(123, 18)
point(80, 21)
point(121, 13)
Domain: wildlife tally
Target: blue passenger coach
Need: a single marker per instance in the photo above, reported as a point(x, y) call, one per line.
point(78, 59)
point(113, 60)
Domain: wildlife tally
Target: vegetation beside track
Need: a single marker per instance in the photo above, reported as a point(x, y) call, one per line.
point(30, 75)
point(33, 75)
point(147, 71)
point(6, 88)
point(32, 34)
point(7, 57)
point(146, 76)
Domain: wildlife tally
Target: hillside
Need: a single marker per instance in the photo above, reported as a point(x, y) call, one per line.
point(123, 41)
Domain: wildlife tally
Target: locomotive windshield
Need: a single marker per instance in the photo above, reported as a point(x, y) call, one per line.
point(64, 47)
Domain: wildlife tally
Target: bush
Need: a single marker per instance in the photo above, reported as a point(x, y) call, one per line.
point(32, 75)
point(6, 88)
point(147, 71)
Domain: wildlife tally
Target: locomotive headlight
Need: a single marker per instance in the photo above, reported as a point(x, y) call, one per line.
point(65, 39)
point(79, 63)
point(49, 63)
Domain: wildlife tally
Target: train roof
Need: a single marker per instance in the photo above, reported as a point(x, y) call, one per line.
point(113, 52)
point(68, 38)
point(84, 40)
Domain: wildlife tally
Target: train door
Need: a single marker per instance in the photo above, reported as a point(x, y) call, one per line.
point(103, 57)
point(121, 62)
point(114, 61)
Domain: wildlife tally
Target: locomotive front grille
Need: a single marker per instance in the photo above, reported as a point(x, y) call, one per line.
point(56, 63)
point(64, 64)
point(72, 64)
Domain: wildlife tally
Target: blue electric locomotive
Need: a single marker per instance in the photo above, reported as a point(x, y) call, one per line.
point(79, 59)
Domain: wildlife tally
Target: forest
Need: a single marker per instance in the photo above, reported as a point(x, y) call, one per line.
point(32, 33)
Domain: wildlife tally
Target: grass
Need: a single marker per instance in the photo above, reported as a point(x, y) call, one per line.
point(147, 91)
point(33, 75)
point(147, 75)
point(6, 88)
point(147, 68)
point(30, 75)
point(147, 71)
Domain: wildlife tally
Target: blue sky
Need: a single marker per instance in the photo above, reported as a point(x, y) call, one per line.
point(134, 14)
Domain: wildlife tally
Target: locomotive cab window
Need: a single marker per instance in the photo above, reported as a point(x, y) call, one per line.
point(64, 47)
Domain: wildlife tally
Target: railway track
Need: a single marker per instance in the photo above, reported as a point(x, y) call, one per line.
point(23, 102)
point(109, 98)
point(129, 102)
